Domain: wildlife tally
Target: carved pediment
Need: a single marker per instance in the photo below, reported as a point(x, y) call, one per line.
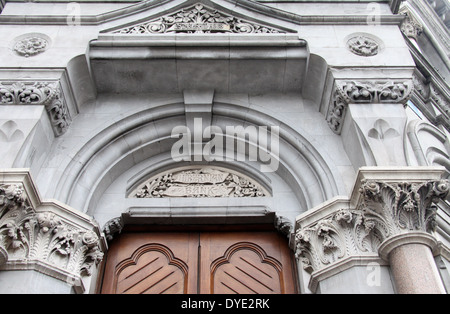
point(199, 182)
point(197, 18)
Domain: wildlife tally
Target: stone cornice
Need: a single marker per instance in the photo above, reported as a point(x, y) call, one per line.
point(45, 236)
point(254, 6)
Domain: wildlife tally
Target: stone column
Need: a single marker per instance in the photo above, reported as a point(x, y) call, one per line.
point(412, 263)
point(389, 220)
point(403, 210)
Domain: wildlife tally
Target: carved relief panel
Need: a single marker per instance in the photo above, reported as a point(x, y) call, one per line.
point(199, 182)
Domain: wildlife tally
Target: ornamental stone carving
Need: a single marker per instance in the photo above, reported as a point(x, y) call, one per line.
point(333, 235)
point(363, 46)
point(31, 46)
point(341, 235)
point(201, 182)
point(30, 237)
point(357, 92)
point(197, 19)
point(398, 207)
point(48, 94)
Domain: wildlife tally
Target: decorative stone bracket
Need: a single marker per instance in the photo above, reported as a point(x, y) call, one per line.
point(48, 94)
point(347, 92)
point(45, 236)
point(386, 203)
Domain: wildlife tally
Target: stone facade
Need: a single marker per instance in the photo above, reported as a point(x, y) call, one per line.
point(329, 119)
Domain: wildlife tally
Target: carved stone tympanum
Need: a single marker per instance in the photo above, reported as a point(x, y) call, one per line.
point(199, 182)
point(197, 19)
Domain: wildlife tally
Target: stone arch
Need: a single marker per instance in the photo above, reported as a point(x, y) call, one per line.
point(147, 134)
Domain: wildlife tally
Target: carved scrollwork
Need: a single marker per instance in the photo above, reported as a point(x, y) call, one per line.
point(48, 94)
point(355, 92)
point(197, 19)
point(27, 235)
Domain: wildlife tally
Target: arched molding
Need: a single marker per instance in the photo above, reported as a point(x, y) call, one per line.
point(428, 153)
point(148, 133)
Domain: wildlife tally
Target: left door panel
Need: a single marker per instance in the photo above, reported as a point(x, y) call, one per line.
point(152, 263)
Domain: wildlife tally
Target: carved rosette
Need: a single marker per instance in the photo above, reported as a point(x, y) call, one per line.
point(31, 46)
point(197, 19)
point(357, 92)
point(48, 94)
point(363, 46)
point(28, 236)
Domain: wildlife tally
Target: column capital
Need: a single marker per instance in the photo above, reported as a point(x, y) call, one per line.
point(389, 207)
point(45, 236)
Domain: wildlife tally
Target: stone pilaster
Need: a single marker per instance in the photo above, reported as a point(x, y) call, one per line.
point(389, 216)
point(45, 236)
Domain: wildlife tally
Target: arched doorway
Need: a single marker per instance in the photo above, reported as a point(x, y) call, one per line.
point(214, 259)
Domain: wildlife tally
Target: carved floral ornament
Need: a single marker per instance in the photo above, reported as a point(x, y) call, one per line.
point(200, 183)
point(31, 45)
point(358, 92)
point(386, 209)
point(197, 19)
point(48, 94)
point(30, 237)
point(364, 46)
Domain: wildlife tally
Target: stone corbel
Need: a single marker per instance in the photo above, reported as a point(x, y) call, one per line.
point(48, 94)
point(47, 237)
point(346, 92)
point(387, 208)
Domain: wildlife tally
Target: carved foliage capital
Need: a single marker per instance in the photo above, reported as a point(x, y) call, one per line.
point(27, 235)
point(399, 207)
point(344, 234)
point(385, 210)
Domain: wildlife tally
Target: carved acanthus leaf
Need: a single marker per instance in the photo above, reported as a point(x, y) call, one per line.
point(398, 207)
point(197, 19)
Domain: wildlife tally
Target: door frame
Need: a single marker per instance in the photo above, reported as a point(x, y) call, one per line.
point(214, 227)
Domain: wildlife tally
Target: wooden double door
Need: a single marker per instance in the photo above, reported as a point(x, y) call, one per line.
point(199, 262)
